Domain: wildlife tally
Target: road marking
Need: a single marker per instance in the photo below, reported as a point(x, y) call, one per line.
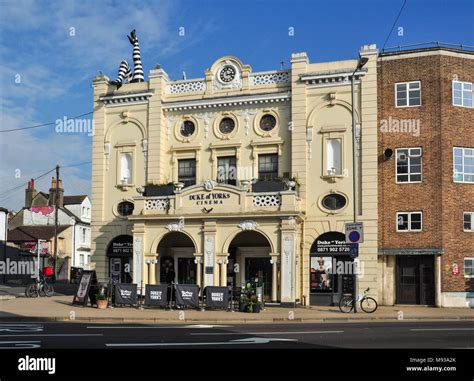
point(250, 340)
point(161, 327)
point(442, 329)
point(21, 328)
point(265, 333)
point(56, 334)
point(20, 344)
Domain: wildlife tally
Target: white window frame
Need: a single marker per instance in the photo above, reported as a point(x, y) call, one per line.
point(469, 259)
point(408, 94)
point(463, 83)
point(454, 166)
point(409, 173)
point(409, 230)
point(471, 230)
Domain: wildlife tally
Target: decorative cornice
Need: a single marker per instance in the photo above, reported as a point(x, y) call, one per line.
point(248, 225)
point(331, 78)
point(117, 100)
point(227, 101)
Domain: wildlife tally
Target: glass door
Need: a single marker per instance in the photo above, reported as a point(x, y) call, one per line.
point(186, 271)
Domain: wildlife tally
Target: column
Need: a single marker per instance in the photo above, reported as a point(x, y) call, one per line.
point(139, 273)
point(223, 262)
point(198, 262)
point(211, 276)
point(274, 262)
point(151, 271)
point(288, 263)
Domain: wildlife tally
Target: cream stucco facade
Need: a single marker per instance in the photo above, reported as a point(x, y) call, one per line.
point(229, 230)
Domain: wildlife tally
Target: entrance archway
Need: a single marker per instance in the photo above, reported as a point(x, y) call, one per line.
point(120, 253)
point(249, 262)
point(176, 259)
point(331, 269)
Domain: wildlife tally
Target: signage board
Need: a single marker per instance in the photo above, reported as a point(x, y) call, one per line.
point(355, 232)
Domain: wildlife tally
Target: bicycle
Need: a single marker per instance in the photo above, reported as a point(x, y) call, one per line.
point(367, 304)
point(39, 287)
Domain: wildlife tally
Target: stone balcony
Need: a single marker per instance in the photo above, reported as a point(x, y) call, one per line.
point(219, 200)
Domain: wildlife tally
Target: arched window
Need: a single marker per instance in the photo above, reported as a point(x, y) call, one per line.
point(126, 168)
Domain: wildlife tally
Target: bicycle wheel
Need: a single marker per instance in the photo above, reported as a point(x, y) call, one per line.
point(48, 289)
point(368, 305)
point(346, 304)
point(31, 291)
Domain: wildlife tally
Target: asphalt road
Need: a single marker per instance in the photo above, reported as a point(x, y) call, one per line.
point(436, 335)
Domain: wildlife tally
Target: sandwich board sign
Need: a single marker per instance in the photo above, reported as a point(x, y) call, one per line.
point(82, 292)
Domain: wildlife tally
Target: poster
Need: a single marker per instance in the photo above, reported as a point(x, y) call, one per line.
point(321, 270)
point(83, 288)
point(187, 295)
point(156, 295)
point(217, 297)
point(126, 293)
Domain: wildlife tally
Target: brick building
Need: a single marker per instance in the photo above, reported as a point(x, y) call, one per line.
point(426, 176)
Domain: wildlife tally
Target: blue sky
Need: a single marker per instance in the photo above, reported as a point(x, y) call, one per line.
point(47, 67)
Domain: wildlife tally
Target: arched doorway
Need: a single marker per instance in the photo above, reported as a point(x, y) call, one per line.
point(120, 253)
point(176, 259)
point(249, 262)
point(331, 269)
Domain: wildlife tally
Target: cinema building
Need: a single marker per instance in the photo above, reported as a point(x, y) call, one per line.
point(426, 176)
point(238, 177)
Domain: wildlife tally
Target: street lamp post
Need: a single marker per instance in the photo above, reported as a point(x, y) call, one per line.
point(362, 61)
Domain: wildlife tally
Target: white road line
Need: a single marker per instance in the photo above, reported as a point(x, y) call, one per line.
point(264, 333)
point(162, 327)
point(442, 329)
point(250, 340)
point(56, 335)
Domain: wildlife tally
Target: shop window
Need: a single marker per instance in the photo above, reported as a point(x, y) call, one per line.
point(187, 172)
point(462, 94)
point(463, 163)
point(321, 279)
point(408, 94)
point(469, 267)
point(409, 221)
point(227, 170)
point(409, 165)
point(126, 168)
point(469, 221)
point(267, 166)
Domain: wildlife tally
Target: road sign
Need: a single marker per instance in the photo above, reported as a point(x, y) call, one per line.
point(354, 253)
point(355, 232)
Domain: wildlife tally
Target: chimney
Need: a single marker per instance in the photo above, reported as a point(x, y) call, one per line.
point(52, 193)
point(30, 193)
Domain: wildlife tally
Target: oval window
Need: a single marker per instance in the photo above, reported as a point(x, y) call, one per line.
point(226, 126)
point(268, 122)
point(187, 128)
point(334, 201)
point(125, 208)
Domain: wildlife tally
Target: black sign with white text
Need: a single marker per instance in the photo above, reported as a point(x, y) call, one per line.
point(156, 295)
point(217, 297)
point(187, 295)
point(126, 293)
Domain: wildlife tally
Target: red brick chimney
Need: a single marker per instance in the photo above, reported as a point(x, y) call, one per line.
point(30, 193)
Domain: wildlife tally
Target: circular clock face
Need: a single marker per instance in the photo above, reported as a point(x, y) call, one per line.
point(227, 125)
point(187, 128)
point(227, 74)
point(268, 122)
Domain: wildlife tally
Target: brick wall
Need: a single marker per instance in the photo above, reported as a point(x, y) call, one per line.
point(442, 126)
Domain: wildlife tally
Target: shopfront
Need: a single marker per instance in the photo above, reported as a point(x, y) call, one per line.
point(331, 269)
point(119, 253)
point(415, 279)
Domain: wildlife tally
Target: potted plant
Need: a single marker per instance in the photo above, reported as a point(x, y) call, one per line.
point(101, 301)
point(255, 304)
point(243, 302)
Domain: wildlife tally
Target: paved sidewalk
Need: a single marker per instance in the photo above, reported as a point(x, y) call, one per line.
point(59, 308)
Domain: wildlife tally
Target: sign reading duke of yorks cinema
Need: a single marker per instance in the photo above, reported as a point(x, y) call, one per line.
point(167, 213)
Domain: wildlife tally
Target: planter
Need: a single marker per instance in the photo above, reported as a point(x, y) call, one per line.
point(102, 304)
point(256, 308)
point(242, 307)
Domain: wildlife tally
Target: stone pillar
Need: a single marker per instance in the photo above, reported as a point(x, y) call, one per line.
point(151, 263)
point(274, 261)
point(288, 262)
point(223, 264)
point(211, 276)
point(139, 275)
point(198, 261)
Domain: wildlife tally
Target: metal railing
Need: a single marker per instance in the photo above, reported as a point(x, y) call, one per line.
point(432, 44)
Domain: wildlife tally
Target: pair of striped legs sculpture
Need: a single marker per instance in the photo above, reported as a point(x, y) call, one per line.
point(124, 73)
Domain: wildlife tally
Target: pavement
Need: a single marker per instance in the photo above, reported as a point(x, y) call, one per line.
point(59, 308)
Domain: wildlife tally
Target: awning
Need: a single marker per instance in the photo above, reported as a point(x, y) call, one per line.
point(409, 251)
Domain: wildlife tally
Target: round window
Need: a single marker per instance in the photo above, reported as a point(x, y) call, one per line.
point(226, 126)
point(125, 208)
point(187, 128)
point(334, 201)
point(268, 122)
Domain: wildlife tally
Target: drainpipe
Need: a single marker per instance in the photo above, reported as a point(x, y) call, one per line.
point(303, 232)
